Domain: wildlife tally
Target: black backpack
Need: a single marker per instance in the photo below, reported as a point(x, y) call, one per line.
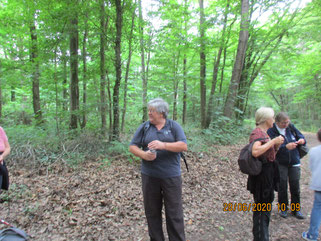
point(145, 128)
point(249, 164)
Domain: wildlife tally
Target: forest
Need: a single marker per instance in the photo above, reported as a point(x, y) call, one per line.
point(71, 70)
point(75, 69)
point(76, 77)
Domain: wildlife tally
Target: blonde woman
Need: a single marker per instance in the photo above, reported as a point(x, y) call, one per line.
point(263, 185)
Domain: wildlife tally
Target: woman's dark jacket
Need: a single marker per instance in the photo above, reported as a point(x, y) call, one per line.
point(284, 156)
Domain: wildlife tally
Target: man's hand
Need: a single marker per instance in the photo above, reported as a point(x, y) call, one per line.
point(149, 156)
point(157, 145)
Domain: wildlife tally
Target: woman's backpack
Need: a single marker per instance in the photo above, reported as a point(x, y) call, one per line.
point(249, 164)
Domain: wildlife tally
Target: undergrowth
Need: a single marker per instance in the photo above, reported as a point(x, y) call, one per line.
point(39, 146)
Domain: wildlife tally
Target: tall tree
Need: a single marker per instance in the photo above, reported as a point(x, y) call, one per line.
point(84, 61)
point(202, 64)
point(261, 46)
point(74, 86)
point(130, 40)
point(35, 70)
point(176, 59)
point(103, 29)
point(119, 19)
point(239, 60)
point(142, 55)
point(185, 64)
point(64, 81)
point(217, 61)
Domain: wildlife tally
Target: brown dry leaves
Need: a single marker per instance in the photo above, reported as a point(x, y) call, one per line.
point(96, 202)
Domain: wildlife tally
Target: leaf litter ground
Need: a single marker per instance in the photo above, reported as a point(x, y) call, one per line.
point(97, 202)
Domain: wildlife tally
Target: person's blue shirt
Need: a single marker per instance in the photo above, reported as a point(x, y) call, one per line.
point(167, 164)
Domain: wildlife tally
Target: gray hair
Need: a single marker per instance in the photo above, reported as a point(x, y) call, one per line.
point(263, 114)
point(160, 105)
point(281, 117)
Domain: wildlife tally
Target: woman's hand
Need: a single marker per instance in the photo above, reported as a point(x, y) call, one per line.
point(278, 140)
point(1, 159)
point(291, 145)
point(300, 142)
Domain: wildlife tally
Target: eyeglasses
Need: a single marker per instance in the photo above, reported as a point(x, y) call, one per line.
point(284, 122)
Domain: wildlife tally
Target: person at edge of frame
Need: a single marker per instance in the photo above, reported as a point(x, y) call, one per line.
point(159, 146)
point(262, 186)
point(288, 158)
point(4, 152)
point(315, 184)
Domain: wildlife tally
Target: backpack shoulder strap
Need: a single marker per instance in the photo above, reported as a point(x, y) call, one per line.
point(146, 126)
point(259, 139)
point(174, 132)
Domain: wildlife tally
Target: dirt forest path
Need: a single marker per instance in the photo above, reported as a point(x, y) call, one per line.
point(100, 202)
point(225, 184)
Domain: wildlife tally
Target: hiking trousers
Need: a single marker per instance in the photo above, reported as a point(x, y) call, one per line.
point(155, 192)
point(292, 175)
point(261, 221)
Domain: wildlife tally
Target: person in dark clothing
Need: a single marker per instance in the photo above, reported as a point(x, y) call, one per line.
point(158, 142)
point(263, 185)
point(288, 158)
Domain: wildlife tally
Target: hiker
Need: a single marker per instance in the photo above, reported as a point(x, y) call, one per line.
point(158, 143)
point(262, 186)
point(4, 151)
point(288, 158)
point(315, 184)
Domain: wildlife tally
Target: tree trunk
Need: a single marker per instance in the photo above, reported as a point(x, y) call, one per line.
point(110, 112)
point(142, 54)
point(224, 61)
point(103, 107)
point(202, 65)
point(185, 90)
point(56, 90)
point(84, 60)
point(217, 61)
point(239, 60)
point(118, 69)
point(35, 73)
point(184, 66)
point(64, 82)
point(175, 92)
point(13, 94)
point(127, 69)
point(74, 88)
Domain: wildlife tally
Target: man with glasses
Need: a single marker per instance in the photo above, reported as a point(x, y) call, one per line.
point(288, 158)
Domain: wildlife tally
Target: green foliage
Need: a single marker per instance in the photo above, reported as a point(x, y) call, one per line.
point(222, 131)
point(15, 193)
point(289, 81)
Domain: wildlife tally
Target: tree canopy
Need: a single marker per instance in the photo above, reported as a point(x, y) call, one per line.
point(85, 64)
